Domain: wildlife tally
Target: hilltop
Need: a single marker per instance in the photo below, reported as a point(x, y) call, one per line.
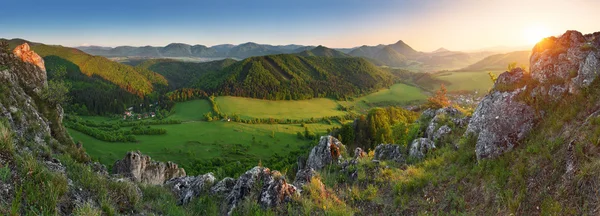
point(499, 61)
point(323, 52)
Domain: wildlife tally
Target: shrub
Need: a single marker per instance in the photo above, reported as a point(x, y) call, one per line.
point(439, 99)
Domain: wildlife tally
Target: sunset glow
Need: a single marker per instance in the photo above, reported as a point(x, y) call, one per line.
point(534, 34)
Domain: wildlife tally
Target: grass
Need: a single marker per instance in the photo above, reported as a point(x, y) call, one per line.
point(191, 110)
point(300, 109)
point(203, 140)
point(397, 94)
point(468, 81)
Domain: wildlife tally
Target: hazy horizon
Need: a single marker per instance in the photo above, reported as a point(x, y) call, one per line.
point(424, 25)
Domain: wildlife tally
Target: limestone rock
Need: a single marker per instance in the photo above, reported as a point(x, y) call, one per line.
point(359, 153)
point(189, 187)
point(303, 177)
point(441, 133)
point(25, 53)
point(499, 123)
point(326, 152)
point(420, 147)
point(389, 152)
point(141, 168)
point(276, 191)
point(223, 187)
point(243, 186)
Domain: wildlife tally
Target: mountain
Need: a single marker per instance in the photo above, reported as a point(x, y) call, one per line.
point(323, 52)
point(441, 50)
point(500, 61)
point(390, 57)
point(403, 48)
point(366, 51)
point(183, 74)
point(288, 76)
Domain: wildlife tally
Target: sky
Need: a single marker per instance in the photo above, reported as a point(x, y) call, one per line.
point(423, 24)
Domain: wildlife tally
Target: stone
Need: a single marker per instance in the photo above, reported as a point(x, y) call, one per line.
point(499, 123)
point(276, 191)
point(442, 133)
point(420, 147)
point(188, 187)
point(389, 152)
point(141, 168)
point(359, 153)
point(303, 177)
point(223, 187)
point(325, 153)
point(25, 53)
point(245, 183)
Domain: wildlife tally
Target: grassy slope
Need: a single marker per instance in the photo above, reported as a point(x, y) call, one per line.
point(256, 108)
point(397, 94)
point(500, 61)
point(467, 80)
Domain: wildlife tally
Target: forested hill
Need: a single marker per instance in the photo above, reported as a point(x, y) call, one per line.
point(137, 81)
point(323, 52)
point(288, 76)
point(183, 74)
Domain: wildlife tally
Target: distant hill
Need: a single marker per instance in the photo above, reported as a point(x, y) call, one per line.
point(500, 61)
point(390, 57)
point(287, 76)
point(323, 52)
point(200, 51)
point(403, 49)
point(183, 74)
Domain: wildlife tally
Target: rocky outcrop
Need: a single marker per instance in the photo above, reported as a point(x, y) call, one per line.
point(223, 187)
point(188, 187)
point(303, 177)
point(141, 168)
point(389, 152)
point(499, 123)
point(326, 152)
point(441, 117)
point(420, 147)
point(558, 66)
point(359, 153)
point(25, 53)
point(274, 192)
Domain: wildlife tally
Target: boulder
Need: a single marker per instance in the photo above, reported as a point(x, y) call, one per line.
point(499, 123)
point(188, 187)
point(442, 116)
point(389, 152)
point(276, 191)
point(25, 53)
point(223, 187)
point(441, 133)
point(303, 177)
point(420, 147)
point(359, 153)
point(141, 168)
point(326, 152)
point(244, 185)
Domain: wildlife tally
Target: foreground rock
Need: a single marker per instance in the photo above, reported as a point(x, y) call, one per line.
point(326, 152)
point(141, 168)
point(420, 147)
point(389, 152)
point(188, 187)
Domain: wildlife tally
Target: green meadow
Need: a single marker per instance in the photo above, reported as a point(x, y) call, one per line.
point(257, 108)
point(468, 81)
point(398, 95)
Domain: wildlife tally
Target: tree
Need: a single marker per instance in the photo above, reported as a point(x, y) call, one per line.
point(56, 92)
point(4, 47)
point(439, 99)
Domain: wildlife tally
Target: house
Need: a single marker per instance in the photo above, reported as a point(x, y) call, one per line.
point(153, 114)
point(128, 113)
point(139, 117)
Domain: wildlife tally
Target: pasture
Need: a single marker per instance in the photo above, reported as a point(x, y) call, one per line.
point(468, 81)
point(256, 108)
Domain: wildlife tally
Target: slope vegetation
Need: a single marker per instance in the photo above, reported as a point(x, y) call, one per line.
point(500, 61)
point(278, 77)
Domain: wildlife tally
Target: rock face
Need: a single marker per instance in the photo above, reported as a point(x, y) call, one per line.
point(420, 147)
point(389, 152)
point(223, 187)
point(141, 168)
point(559, 66)
point(500, 122)
point(441, 117)
point(275, 190)
point(303, 177)
point(326, 152)
point(189, 187)
point(25, 53)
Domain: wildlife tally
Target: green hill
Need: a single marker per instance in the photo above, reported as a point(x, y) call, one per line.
point(390, 57)
point(323, 52)
point(500, 61)
point(285, 76)
point(183, 74)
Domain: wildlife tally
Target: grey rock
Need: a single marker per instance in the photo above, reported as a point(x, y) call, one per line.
point(276, 191)
point(442, 133)
point(389, 152)
point(223, 187)
point(499, 123)
point(303, 177)
point(186, 188)
point(359, 153)
point(141, 168)
point(420, 147)
point(322, 155)
point(245, 183)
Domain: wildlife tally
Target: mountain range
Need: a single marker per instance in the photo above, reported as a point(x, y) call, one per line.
point(397, 55)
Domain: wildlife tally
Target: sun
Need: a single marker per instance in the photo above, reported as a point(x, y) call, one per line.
point(535, 34)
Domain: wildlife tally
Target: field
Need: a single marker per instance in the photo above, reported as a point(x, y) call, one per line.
point(468, 80)
point(191, 110)
point(256, 108)
point(398, 94)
